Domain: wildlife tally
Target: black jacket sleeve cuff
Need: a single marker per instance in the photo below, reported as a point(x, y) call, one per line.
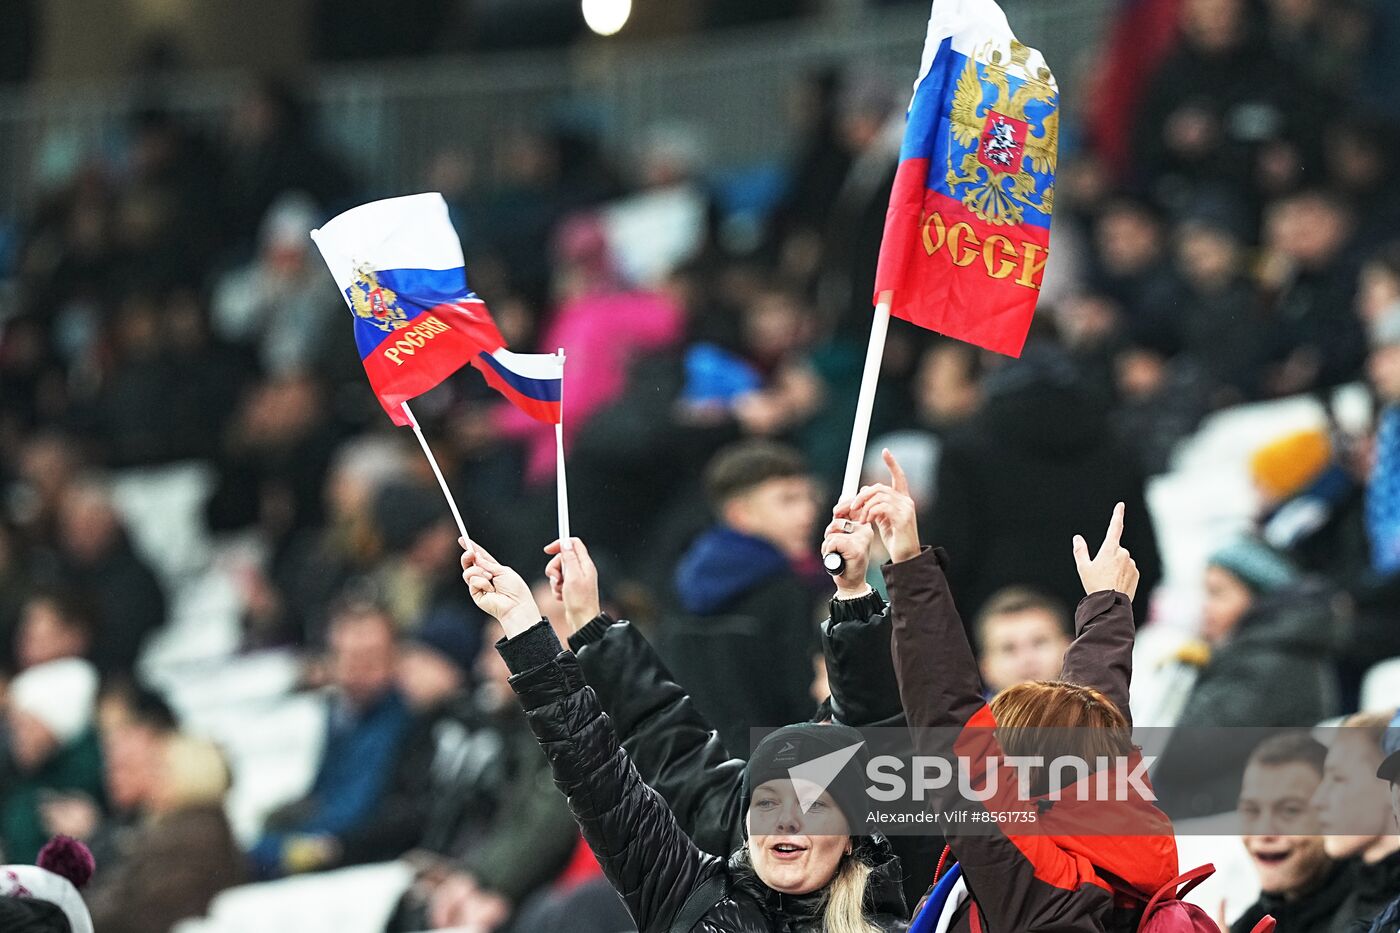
point(591, 632)
point(532, 648)
point(857, 610)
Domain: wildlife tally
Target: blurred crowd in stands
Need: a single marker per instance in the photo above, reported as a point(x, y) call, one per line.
point(1227, 231)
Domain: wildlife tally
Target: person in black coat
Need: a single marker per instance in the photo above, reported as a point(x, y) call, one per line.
point(1013, 486)
point(96, 564)
point(673, 746)
point(743, 641)
point(798, 872)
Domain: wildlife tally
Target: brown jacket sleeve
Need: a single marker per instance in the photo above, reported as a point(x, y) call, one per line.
point(1018, 883)
point(1101, 655)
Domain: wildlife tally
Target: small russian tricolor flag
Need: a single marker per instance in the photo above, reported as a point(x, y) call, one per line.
point(399, 267)
point(533, 381)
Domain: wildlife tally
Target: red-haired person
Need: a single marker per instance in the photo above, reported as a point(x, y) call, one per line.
point(1082, 862)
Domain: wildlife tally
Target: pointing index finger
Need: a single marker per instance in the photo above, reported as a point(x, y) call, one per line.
point(1115, 531)
point(898, 480)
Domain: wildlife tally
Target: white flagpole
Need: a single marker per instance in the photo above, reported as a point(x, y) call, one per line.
point(865, 406)
point(432, 461)
point(865, 403)
point(561, 479)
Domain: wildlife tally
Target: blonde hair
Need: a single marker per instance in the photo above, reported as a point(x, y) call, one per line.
point(845, 899)
point(195, 774)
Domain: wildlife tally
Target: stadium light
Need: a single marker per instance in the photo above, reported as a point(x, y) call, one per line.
point(606, 17)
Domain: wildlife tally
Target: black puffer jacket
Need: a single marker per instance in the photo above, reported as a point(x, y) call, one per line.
point(646, 856)
point(680, 756)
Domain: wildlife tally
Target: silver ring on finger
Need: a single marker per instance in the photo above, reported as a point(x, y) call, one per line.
point(848, 526)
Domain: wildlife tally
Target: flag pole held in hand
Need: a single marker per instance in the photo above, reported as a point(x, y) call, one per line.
point(865, 406)
point(561, 478)
point(432, 462)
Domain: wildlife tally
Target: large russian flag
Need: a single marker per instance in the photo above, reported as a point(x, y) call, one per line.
point(399, 266)
point(968, 229)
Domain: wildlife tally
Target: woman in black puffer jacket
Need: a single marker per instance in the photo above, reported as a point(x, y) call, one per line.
point(802, 870)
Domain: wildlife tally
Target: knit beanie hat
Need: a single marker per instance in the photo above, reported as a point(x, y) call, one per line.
point(448, 635)
point(1258, 566)
point(60, 694)
point(795, 746)
point(65, 865)
point(1287, 466)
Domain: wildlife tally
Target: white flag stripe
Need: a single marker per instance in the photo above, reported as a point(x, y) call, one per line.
point(972, 24)
point(532, 365)
point(412, 232)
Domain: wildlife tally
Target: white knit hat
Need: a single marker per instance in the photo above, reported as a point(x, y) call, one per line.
point(60, 694)
point(44, 885)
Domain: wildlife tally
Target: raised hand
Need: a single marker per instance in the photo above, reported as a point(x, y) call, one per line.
point(852, 541)
point(574, 579)
point(1112, 568)
point(890, 509)
point(497, 590)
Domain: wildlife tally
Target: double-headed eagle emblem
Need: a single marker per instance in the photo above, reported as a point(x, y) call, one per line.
point(376, 303)
point(1004, 146)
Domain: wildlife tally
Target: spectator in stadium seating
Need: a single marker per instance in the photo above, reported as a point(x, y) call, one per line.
point(467, 795)
point(1206, 308)
point(47, 465)
point(416, 571)
point(1311, 505)
point(1020, 635)
point(1130, 255)
point(52, 748)
point(672, 744)
point(182, 854)
point(1312, 338)
point(277, 307)
point(1189, 130)
point(1162, 398)
point(96, 561)
point(1378, 290)
point(134, 726)
point(495, 830)
point(366, 721)
point(1389, 771)
point(1005, 881)
point(52, 627)
point(1268, 660)
point(1270, 639)
point(272, 467)
point(1300, 886)
point(271, 151)
point(320, 562)
point(739, 595)
point(604, 323)
point(841, 878)
point(1355, 808)
point(1015, 484)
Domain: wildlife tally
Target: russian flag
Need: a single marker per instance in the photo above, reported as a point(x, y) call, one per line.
point(399, 266)
point(534, 382)
point(967, 234)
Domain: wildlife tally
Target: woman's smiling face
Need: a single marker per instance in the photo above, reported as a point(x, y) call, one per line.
point(795, 852)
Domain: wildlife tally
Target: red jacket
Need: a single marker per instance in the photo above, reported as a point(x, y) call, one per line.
point(1056, 876)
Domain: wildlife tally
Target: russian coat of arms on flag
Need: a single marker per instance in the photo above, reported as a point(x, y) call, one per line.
point(399, 266)
point(968, 230)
